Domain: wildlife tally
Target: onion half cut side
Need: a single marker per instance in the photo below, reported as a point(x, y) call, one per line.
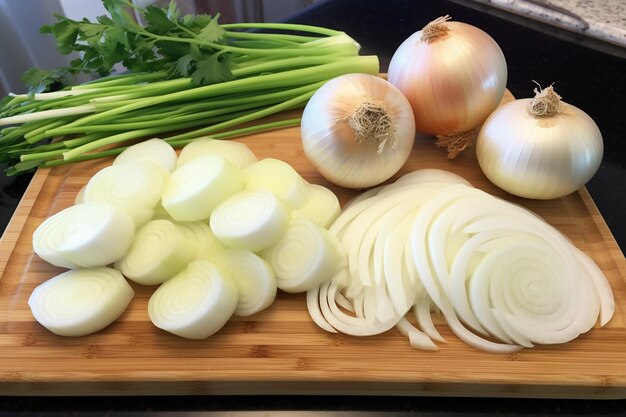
point(194, 304)
point(81, 302)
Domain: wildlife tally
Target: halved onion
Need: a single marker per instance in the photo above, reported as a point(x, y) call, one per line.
point(237, 153)
point(254, 278)
point(251, 220)
point(303, 258)
point(155, 150)
point(84, 235)
point(196, 188)
point(80, 302)
point(160, 251)
point(194, 304)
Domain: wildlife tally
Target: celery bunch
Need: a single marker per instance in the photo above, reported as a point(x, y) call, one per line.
point(184, 73)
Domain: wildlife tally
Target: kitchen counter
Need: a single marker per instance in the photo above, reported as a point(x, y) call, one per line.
point(589, 75)
point(604, 20)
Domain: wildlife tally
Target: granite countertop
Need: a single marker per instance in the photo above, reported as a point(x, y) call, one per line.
point(604, 20)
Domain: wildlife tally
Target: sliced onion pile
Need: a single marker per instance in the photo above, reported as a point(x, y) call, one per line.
point(213, 228)
point(501, 277)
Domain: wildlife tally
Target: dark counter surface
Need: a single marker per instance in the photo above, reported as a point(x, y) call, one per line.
point(588, 74)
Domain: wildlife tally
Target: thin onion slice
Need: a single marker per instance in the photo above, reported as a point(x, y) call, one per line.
point(160, 251)
point(195, 304)
point(80, 302)
point(251, 220)
point(135, 188)
point(237, 153)
point(202, 239)
point(322, 206)
point(313, 306)
point(254, 278)
point(417, 338)
point(281, 179)
point(84, 235)
point(196, 188)
point(155, 150)
point(303, 258)
point(601, 285)
point(421, 310)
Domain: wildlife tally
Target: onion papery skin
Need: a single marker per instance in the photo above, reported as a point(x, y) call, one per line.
point(452, 82)
point(539, 157)
point(329, 142)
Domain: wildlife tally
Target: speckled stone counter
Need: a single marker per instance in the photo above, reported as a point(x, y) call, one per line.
point(601, 19)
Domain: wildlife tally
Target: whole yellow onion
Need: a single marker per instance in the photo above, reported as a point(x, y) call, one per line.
point(454, 75)
point(540, 148)
point(357, 130)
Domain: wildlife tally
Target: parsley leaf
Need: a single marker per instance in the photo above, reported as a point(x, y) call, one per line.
point(210, 71)
point(185, 65)
point(163, 44)
point(39, 80)
point(65, 32)
point(158, 20)
point(212, 31)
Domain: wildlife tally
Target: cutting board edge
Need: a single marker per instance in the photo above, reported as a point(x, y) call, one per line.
point(307, 387)
point(9, 238)
point(36, 384)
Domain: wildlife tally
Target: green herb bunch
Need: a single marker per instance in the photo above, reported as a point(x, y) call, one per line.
point(181, 73)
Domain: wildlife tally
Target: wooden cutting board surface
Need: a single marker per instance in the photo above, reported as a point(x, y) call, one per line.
point(281, 351)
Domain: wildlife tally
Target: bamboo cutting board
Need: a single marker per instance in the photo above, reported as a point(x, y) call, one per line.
point(281, 351)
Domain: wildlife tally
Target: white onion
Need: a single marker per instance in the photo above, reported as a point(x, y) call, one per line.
point(156, 151)
point(252, 220)
point(237, 153)
point(303, 258)
point(254, 278)
point(80, 302)
point(84, 235)
point(194, 304)
point(197, 187)
point(539, 156)
point(454, 75)
point(160, 251)
point(135, 188)
point(357, 130)
point(502, 278)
